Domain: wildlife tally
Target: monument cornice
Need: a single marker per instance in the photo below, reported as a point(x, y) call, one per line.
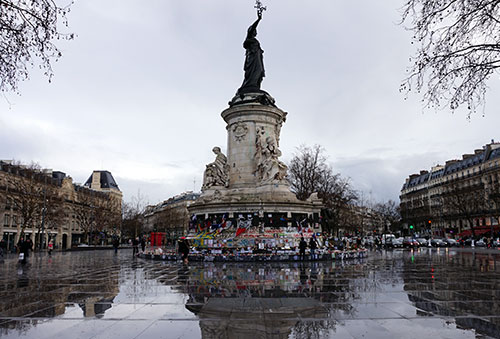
point(250, 111)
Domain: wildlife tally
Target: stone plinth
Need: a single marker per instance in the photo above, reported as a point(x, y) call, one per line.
point(247, 125)
point(256, 178)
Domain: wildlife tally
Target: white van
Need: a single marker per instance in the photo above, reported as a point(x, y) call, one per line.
point(387, 239)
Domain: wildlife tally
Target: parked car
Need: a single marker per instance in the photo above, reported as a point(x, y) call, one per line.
point(465, 242)
point(451, 242)
point(422, 241)
point(387, 239)
point(410, 242)
point(397, 243)
point(480, 243)
point(437, 242)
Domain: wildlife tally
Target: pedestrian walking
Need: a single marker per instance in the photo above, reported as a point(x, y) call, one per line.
point(3, 247)
point(29, 246)
point(302, 248)
point(50, 246)
point(135, 246)
point(183, 248)
point(23, 247)
point(143, 244)
point(312, 246)
point(116, 244)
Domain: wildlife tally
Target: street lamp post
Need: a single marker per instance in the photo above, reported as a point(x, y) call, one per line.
point(43, 211)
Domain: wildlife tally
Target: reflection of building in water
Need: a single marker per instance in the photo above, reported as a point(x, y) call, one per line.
point(463, 285)
point(26, 295)
point(244, 301)
point(254, 317)
point(95, 306)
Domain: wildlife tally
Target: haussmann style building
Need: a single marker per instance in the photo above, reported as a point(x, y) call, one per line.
point(460, 198)
point(170, 217)
point(45, 204)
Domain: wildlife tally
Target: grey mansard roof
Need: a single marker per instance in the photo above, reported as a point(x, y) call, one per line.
point(107, 180)
point(454, 166)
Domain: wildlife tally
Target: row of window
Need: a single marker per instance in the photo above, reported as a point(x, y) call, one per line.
point(463, 174)
point(12, 221)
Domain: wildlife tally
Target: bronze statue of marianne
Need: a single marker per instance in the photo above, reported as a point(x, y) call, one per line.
point(250, 92)
point(254, 61)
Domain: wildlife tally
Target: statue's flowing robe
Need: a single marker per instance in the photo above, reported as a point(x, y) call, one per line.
point(254, 66)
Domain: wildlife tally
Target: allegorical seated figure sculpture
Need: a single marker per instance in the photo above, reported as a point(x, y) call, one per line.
point(269, 169)
point(216, 172)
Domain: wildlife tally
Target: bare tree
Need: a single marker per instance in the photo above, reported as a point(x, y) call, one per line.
point(107, 214)
point(493, 199)
point(309, 173)
point(459, 49)
point(27, 31)
point(466, 202)
point(25, 193)
point(84, 212)
point(306, 170)
point(133, 216)
point(52, 212)
point(389, 215)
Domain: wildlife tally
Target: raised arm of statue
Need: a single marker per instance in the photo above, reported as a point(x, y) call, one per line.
point(252, 30)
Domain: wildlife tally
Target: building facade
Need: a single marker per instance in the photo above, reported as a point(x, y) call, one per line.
point(458, 198)
point(46, 205)
point(170, 216)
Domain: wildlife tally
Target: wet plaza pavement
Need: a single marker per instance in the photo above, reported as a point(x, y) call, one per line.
point(395, 294)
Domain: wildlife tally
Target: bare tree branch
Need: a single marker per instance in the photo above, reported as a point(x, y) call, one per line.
point(458, 50)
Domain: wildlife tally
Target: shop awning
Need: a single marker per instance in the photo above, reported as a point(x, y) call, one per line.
point(479, 230)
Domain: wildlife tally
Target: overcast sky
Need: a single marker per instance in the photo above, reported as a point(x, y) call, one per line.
point(139, 92)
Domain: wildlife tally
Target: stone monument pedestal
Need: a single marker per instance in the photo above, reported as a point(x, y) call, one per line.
point(256, 181)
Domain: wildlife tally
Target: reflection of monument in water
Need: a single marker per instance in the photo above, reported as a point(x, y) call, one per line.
point(266, 301)
point(252, 180)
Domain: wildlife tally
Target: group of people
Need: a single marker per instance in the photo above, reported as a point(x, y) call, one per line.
point(24, 246)
point(135, 245)
point(313, 245)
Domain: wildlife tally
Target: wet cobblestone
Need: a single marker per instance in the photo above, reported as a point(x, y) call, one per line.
point(444, 293)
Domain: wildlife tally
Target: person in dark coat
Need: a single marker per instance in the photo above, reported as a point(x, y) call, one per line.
point(135, 246)
point(184, 249)
point(312, 246)
point(302, 248)
point(24, 247)
point(143, 244)
point(116, 244)
point(3, 247)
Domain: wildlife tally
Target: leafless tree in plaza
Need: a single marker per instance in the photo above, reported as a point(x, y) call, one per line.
point(309, 173)
point(84, 212)
point(306, 170)
point(25, 191)
point(28, 29)
point(458, 50)
point(52, 213)
point(465, 202)
point(133, 216)
point(389, 214)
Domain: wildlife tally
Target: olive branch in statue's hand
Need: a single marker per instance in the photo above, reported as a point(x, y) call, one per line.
point(259, 7)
